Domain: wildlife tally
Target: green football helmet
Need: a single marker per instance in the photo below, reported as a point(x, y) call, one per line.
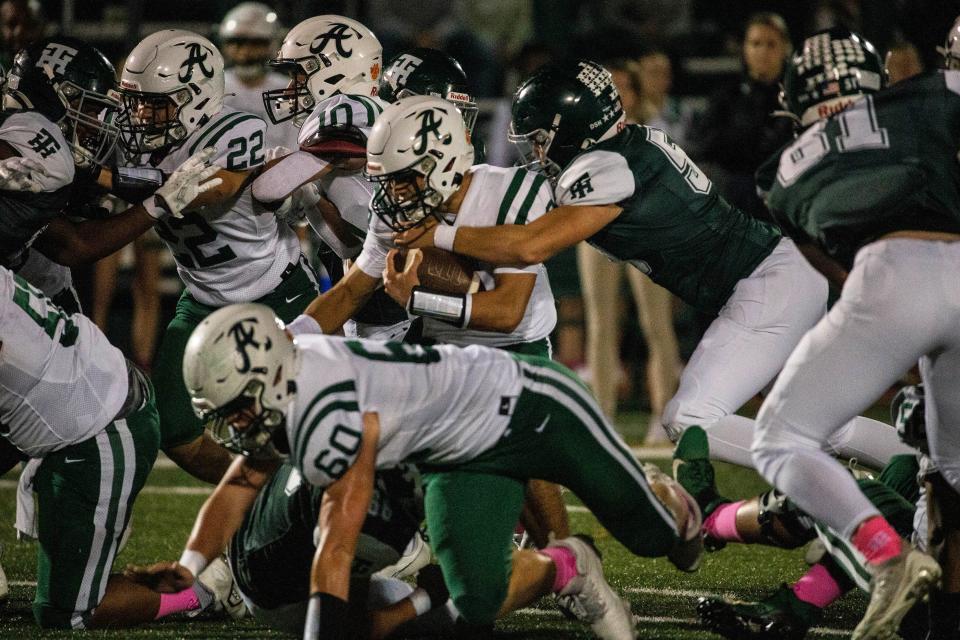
point(428, 72)
point(562, 110)
point(830, 68)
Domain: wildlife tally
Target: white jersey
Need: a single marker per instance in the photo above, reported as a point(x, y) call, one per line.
point(23, 214)
point(495, 196)
point(340, 379)
point(349, 192)
point(61, 381)
point(242, 97)
point(233, 251)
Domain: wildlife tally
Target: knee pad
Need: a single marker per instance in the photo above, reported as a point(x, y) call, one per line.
point(781, 523)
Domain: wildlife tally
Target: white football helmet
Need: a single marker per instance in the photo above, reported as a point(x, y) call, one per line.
point(418, 152)
point(240, 362)
point(249, 21)
point(171, 85)
point(323, 56)
point(951, 47)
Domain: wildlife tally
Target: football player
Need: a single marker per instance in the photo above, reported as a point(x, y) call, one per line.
point(59, 101)
point(71, 400)
point(341, 408)
point(875, 188)
point(227, 248)
point(248, 35)
point(271, 553)
point(636, 196)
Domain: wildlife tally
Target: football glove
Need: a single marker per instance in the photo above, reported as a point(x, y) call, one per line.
point(20, 174)
point(193, 177)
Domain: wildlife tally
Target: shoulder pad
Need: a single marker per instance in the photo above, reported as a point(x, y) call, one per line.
point(342, 110)
point(238, 138)
point(595, 177)
point(34, 136)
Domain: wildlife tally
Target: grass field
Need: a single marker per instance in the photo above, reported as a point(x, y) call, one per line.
point(661, 596)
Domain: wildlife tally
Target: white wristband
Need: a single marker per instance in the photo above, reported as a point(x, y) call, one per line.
point(443, 237)
point(195, 561)
point(467, 308)
point(304, 324)
point(154, 210)
point(420, 600)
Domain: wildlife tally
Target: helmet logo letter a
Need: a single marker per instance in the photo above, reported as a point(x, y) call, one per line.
point(244, 338)
point(337, 33)
point(56, 56)
point(428, 124)
point(196, 56)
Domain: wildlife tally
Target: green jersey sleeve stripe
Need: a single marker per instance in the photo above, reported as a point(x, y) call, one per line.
point(528, 201)
point(339, 387)
point(336, 405)
point(512, 190)
point(216, 138)
point(214, 127)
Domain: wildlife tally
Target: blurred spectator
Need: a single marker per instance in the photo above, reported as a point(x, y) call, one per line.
point(903, 61)
point(249, 34)
point(601, 280)
point(21, 22)
point(737, 132)
point(657, 108)
point(437, 24)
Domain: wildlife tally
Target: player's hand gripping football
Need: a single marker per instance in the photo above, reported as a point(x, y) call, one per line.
point(399, 284)
point(20, 174)
point(162, 577)
point(417, 237)
point(193, 177)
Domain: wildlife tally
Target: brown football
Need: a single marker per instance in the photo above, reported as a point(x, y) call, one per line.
point(441, 270)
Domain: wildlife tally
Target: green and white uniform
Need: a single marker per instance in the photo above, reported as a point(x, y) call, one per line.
point(380, 317)
point(886, 163)
point(678, 230)
point(226, 253)
point(496, 196)
point(26, 214)
point(479, 423)
point(66, 397)
point(272, 551)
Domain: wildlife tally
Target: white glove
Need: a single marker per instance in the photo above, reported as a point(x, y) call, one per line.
point(294, 208)
point(276, 152)
point(20, 174)
point(190, 179)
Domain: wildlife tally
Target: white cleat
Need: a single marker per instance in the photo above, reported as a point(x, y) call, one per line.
point(218, 580)
point(895, 587)
point(589, 598)
point(416, 556)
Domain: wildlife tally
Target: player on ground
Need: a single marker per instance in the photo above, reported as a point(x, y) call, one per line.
point(635, 195)
point(342, 408)
point(69, 398)
point(875, 186)
point(272, 551)
point(228, 248)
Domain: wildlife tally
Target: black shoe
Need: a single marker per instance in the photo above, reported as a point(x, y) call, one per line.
point(780, 616)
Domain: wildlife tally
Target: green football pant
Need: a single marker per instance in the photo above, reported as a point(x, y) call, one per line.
point(178, 424)
point(558, 434)
point(85, 494)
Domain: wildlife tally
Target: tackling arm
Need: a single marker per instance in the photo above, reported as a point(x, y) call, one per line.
point(337, 305)
point(522, 244)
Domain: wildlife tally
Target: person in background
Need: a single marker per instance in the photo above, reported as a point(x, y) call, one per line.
point(248, 35)
point(737, 132)
point(903, 61)
point(21, 22)
point(657, 108)
point(600, 281)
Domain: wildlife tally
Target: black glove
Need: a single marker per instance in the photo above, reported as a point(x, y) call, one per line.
point(327, 618)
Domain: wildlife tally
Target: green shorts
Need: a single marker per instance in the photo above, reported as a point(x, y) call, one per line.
point(556, 433)
point(85, 495)
point(178, 424)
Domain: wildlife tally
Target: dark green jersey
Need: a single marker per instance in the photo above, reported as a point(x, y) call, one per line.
point(674, 226)
point(887, 163)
